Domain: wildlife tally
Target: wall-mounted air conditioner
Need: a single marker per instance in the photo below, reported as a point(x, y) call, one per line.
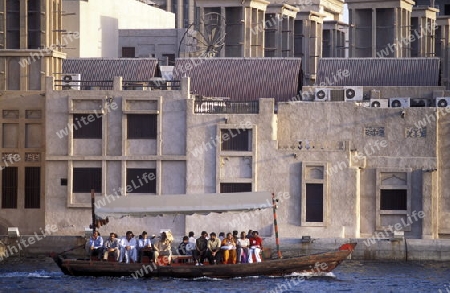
point(420, 103)
point(442, 102)
point(353, 93)
point(399, 102)
point(379, 103)
point(71, 82)
point(321, 94)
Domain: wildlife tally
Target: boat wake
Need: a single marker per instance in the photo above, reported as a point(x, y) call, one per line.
point(311, 275)
point(32, 275)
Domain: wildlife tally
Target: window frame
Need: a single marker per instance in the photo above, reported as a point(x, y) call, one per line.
point(87, 131)
point(10, 191)
point(133, 173)
point(314, 173)
point(93, 174)
point(396, 183)
point(144, 133)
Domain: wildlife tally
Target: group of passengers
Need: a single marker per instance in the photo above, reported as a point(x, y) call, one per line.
point(128, 248)
point(229, 249)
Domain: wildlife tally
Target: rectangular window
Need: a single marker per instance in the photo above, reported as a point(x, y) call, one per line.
point(87, 126)
point(128, 52)
point(85, 179)
point(12, 24)
point(393, 199)
point(32, 187)
point(314, 202)
point(141, 126)
point(141, 180)
point(34, 24)
point(168, 59)
point(9, 187)
point(236, 140)
point(235, 187)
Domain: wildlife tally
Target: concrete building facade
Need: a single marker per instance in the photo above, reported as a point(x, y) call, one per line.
point(98, 24)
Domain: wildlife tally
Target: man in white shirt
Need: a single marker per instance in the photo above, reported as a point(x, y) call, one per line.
point(145, 246)
point(129, 244)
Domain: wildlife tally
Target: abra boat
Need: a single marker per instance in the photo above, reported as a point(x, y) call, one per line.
point(142, 205)
point(314, 263)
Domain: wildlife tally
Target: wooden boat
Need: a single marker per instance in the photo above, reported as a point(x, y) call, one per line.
point(314, 263)
point(199, 204)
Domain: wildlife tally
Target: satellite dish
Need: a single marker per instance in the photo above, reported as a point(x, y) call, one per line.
point(206, 38)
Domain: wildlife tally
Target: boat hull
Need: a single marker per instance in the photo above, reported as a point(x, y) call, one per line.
point(315, 263)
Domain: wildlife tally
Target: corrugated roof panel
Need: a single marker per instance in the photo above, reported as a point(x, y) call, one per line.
point(379, 71)
point(241, 79)
point(102, 69)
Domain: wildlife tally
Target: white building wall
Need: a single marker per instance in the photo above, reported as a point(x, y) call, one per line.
point(98, 24)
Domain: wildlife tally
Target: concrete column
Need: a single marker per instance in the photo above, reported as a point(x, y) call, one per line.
point(180, 14)
point(117, 83)
point(374, 33)
point(169, 5)
point(191, 17)
point(352, 32)
point(430, 205)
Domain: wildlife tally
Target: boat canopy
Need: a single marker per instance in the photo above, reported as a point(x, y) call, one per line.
point(139, 205)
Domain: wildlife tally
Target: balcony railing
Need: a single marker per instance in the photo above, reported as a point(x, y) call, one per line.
point(206, 106)
point(84, 85)
point(152, 85)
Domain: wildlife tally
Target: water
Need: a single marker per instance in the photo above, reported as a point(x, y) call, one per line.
point(352, 276)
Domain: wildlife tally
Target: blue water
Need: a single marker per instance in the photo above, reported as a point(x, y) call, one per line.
point(352, 276)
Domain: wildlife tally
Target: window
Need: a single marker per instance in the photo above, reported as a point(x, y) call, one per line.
point(128, 52)
point(34, 24)
point(9, 188)
point(169, 59)
point(12, 24)
point(314, 202)
point(236, 140)
point(141, 180)
point(32, 187)
point(447, 9)
point(314, 194)
point(393, 199)
point(85, 179)
point(87, 126)
point(235, 187)
point(141, 126)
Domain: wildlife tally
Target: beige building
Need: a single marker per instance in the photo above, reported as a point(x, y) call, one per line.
point(31, 50)
point(340, 169)
point(97, 24)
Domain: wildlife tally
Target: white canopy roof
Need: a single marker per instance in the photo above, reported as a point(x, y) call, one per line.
point(152, 205)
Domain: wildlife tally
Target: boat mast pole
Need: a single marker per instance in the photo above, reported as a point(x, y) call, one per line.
point(93, 211)
point(275, 225)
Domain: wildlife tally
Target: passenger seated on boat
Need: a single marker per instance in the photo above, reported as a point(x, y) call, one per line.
point(145, 247)
point(111, 245)
point(242, 248)
point(128, 244)
point(190, 247)
point(255, 247)
point(95, 247)
point(229, 249)
point(201, 246)
point(213, 252)
point(163, 248)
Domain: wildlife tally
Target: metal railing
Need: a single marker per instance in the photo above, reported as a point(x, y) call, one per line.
point(84, 85)
point(165, 85)
point(202, 106)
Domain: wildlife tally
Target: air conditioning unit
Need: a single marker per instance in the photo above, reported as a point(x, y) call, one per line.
point(420, 103)
point(442, 102)
point(379, 103)
point(399, 102)
point(321, 94)
point(353, 93)
point(71, 82)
